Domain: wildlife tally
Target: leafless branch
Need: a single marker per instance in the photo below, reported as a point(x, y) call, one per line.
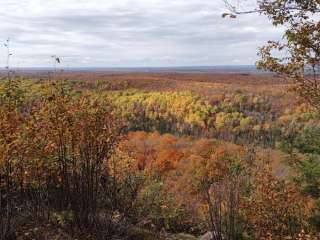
point(233, 10)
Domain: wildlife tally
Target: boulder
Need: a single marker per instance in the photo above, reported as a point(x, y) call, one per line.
point(207, 236)
point(183, 236)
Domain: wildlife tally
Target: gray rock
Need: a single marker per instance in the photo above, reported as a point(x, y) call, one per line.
point(207, 236)
point(182, 236)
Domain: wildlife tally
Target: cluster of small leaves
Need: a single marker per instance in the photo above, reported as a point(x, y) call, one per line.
point(298, 55)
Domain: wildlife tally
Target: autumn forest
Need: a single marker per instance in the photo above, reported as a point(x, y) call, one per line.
point(168, 156)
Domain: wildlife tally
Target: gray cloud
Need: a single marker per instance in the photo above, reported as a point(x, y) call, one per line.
point(130, 33)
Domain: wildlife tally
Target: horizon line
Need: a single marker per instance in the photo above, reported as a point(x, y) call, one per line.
point(129, 67)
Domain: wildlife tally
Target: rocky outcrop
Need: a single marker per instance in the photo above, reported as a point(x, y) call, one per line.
point(207, 236)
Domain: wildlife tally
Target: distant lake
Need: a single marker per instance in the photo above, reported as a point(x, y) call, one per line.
point(242, 69)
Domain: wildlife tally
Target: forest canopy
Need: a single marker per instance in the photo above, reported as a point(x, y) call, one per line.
point(168, 156)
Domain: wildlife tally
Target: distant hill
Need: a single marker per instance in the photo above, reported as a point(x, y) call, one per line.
point(237, 69)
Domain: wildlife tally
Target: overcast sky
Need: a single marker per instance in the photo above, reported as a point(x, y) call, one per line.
point(129, 33)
